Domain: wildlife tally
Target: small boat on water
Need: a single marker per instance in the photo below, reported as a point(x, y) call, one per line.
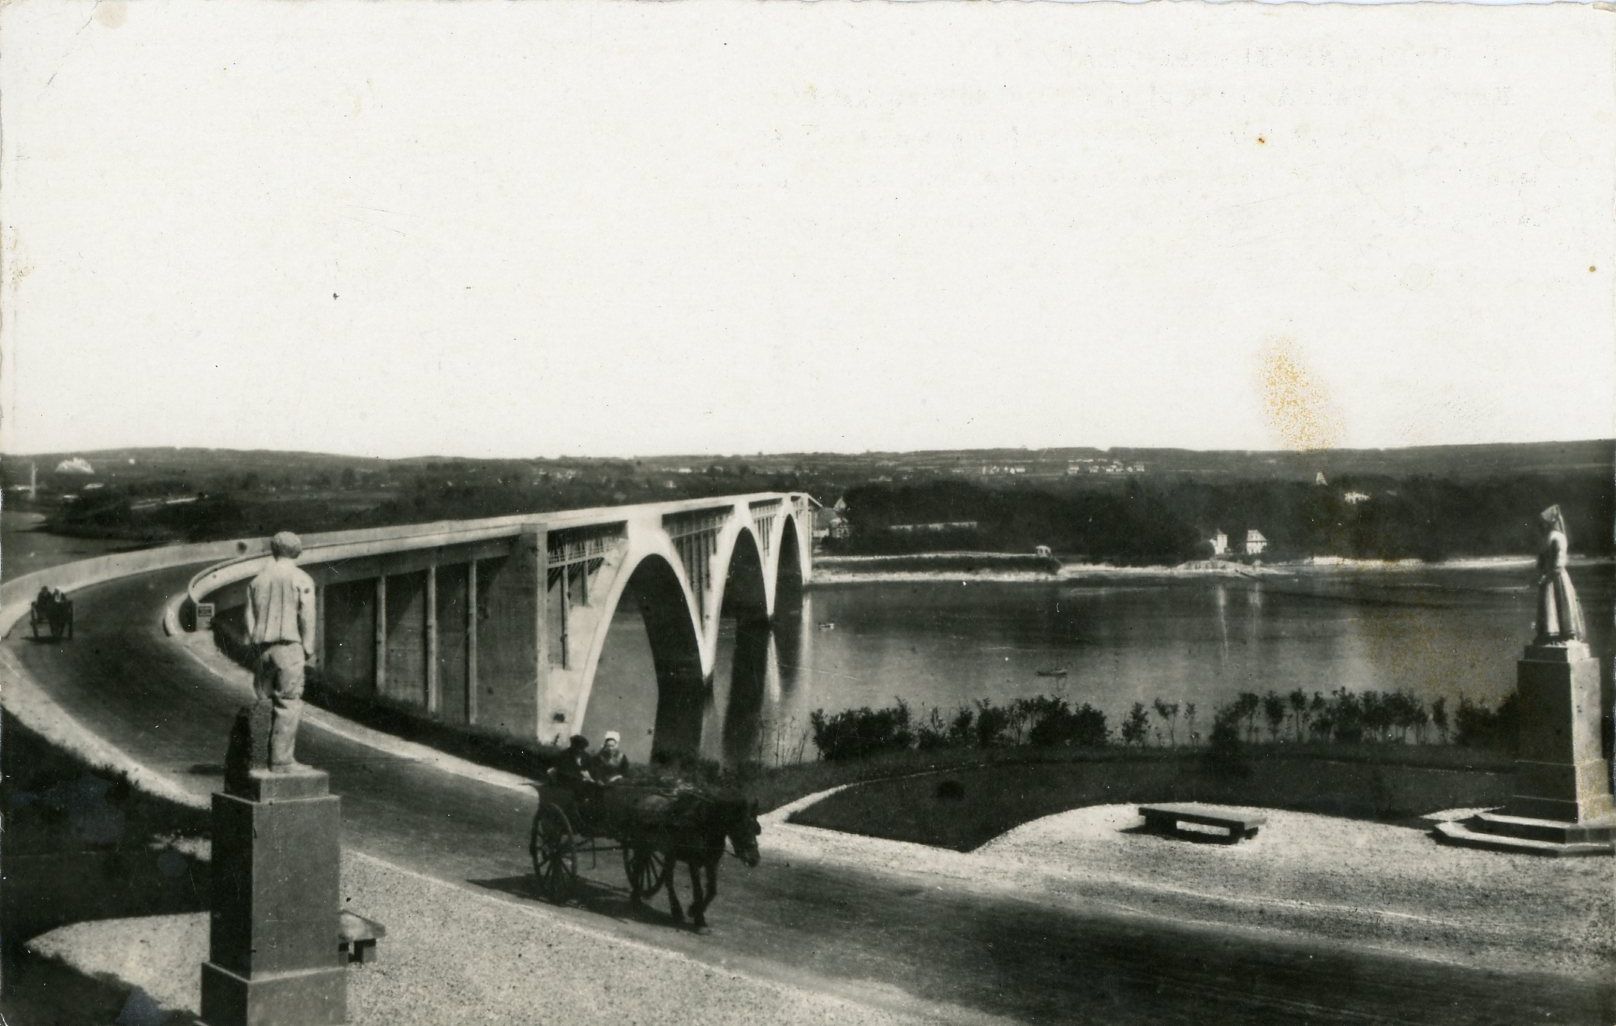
point(1056, 671)
point(828, 625)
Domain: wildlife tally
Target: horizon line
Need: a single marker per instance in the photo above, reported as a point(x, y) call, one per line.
point(803, 452)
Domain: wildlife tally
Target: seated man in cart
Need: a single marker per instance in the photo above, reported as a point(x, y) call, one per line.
point(571, 772)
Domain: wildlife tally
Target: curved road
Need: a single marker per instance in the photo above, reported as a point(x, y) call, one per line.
point(875, 937)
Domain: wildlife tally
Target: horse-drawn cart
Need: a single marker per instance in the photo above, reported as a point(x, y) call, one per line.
point(52, 614)
point(652, 827)
point(562, 831)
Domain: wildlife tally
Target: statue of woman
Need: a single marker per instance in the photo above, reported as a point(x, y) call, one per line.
point(1559, 617)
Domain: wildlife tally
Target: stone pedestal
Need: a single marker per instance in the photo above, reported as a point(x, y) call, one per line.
point(1562, 803)
point(276, 893)
point(1561, 773)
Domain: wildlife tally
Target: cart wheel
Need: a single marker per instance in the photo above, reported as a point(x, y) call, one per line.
point(555, 853)
point(646, 869)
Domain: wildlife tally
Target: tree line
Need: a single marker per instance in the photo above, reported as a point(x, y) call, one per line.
point(1169, 520)
point(1341, 717)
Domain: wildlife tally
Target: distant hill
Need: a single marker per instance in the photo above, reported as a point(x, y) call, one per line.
point(1440, 460)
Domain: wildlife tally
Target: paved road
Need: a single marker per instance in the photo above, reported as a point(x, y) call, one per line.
point(876, 937)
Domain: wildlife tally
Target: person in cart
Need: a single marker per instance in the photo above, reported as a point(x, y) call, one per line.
point(572, 769)
point(571, 774)
point(609, 765)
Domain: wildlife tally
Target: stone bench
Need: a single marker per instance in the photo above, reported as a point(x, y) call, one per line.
point(356, 937)
point(1170, 818)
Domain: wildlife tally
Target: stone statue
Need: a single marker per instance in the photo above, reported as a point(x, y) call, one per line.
point(1559, 617)
point(280, 626)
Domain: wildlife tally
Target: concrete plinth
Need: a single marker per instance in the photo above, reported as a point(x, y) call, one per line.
point(317, 996)
point(1562, 802)
point(275, 886)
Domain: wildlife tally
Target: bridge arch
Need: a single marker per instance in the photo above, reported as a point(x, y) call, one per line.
point(788, 568)
point(743, 591)
point(662, 599)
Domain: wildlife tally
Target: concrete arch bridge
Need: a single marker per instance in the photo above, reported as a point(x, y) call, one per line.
point(501, 623)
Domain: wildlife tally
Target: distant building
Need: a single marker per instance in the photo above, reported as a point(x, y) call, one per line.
point(1041, 551)
point(1219, 543)
point(829, 522)
point(937, 526)
point(1319, 480)
point(1255, 542)
point(76, 465)
point(1353, 498)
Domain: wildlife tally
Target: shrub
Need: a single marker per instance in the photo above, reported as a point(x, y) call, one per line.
point(1083, 727)
point(1346, 718)
point(991, 723)
point(1168, 711)
point(1136, 725)
point(1476, 726)
point(1274, 711)
point(959, 730)
point(1028, 712)
point(1245, 709)
point(856, 733)
point(932, 733)
point(1226, 754)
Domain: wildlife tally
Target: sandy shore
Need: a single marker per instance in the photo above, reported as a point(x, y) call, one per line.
point(836, 570)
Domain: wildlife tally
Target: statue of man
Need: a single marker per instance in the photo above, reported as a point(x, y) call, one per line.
point(280, 626)
point(1559, 617)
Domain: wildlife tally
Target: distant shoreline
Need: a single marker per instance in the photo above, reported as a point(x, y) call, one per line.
point(837, 570)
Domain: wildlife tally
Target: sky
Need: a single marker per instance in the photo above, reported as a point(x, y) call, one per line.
point(611, 228)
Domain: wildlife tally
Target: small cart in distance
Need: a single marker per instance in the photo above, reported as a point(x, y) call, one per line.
point(56, 616)
point(1168, 818)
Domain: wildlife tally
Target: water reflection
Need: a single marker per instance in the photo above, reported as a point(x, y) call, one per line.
point(752, 715)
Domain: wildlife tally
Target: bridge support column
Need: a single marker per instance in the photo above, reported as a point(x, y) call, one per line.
point(379, 682)
point(512, 657)
point(472, 655)
point(405, 674)
point(433, 699)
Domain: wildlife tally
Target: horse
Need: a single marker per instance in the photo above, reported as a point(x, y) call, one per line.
point(695, 835)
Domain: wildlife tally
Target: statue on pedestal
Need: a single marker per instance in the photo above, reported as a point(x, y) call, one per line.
point(1559, 617)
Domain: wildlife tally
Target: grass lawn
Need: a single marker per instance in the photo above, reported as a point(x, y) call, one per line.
point(981, 802)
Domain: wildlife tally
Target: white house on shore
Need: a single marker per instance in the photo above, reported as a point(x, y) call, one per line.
point(1219, 543)
point(1255, 542)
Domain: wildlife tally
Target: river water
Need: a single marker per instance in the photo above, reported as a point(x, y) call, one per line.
point(24, 549)
point(1434, 631)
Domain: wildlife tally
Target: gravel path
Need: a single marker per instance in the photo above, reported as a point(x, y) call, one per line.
point(454, 956)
